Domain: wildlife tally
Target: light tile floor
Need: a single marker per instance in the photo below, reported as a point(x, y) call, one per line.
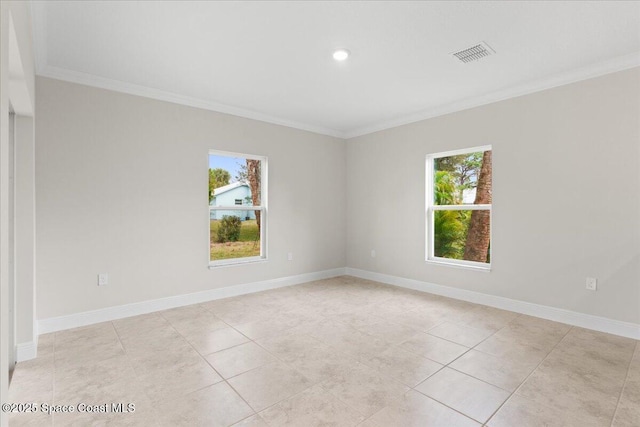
point(337, 352)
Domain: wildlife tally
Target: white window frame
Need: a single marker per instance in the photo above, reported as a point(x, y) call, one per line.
point(431, 207)
point(262, 208)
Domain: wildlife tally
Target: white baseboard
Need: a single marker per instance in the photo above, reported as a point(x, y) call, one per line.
point(588, 321)
point(54, 324)
point(27, 350)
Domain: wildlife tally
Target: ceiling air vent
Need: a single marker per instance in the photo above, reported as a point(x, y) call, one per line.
point(474, 53)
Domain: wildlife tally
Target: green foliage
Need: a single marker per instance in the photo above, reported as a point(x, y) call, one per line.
point(453, 175)
point(217, 178)
point(445, 189)
point(248, 231)
point(464, 169)
point(229, 229)
point(449, 226)
point(248, 244)
point(449, 233)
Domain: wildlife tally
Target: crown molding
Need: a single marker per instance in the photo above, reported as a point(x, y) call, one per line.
point(38, 13)
point(595, 70)
point(39, 28)
point(161, 95)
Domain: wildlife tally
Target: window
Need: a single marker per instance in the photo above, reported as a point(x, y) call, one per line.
point(237, 208)
point(459, 207)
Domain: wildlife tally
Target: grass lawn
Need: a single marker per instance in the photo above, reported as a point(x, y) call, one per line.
point(248, 244)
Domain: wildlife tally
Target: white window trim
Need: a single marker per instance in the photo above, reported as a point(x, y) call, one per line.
point(262, 208)
point(430, 208)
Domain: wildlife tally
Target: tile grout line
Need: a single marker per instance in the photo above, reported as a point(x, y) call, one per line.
point(457, 343)
point(478, 379)
point(278, 359)
point(624, 384)
point(444, 404)
point(241, 397)
point(387, 298)
point(528, 376)
point(443, 366)
point(128, 359)
point(319, 383)
point(447, 366)
point(189, 343)
point(255, 412)
point(204, 359)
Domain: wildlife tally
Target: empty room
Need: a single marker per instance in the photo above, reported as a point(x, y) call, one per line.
point(320, 214)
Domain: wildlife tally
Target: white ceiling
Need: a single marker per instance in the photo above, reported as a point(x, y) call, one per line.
point(272, 60)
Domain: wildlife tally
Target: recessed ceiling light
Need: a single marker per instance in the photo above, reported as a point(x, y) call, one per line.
point(341, 54)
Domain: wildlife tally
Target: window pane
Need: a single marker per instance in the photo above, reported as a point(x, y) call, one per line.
point(234, 181)
point(233, 236)
point(243, 215)
point(462, 234)
point(462, 179)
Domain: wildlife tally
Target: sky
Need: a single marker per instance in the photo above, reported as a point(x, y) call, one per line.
point(231, 164)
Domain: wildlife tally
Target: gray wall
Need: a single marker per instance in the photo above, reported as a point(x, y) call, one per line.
point(566, 196)
point(122, 188)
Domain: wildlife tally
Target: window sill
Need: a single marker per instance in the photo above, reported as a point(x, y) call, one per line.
point(484, 269)
point(234, 262)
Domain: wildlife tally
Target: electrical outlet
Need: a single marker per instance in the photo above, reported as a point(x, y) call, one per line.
point(290, 256)
point(103, 279)
point(373, 253)
point(592, 283)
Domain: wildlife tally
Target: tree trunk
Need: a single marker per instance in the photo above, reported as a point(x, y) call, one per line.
point(477, 245)
point(253, 175)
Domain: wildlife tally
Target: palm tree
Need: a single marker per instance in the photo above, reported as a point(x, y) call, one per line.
point(253, 176)
point(477, 245)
